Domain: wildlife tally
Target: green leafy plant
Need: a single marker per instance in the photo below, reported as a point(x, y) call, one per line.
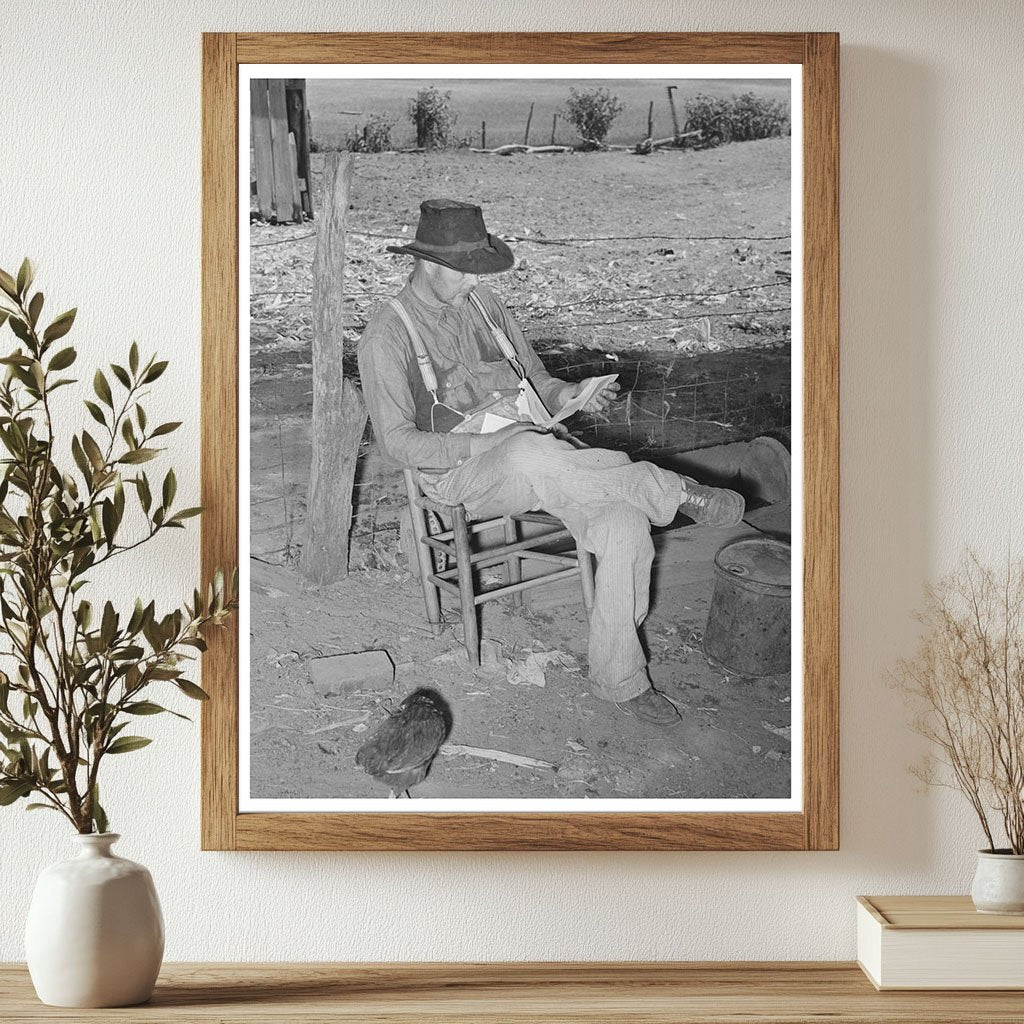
point(592, 112)
point(432, 115)
point(80, 673)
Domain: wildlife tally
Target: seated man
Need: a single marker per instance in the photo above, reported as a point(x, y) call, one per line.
point(429, 356)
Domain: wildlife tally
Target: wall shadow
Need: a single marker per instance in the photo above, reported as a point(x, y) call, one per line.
point(888, 137)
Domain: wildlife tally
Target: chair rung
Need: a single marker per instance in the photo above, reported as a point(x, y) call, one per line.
point(540, 556)
point(536, 517)
point(441, 542)
point(543, 556)
point(438, 579)
point(498, 554)
point(513, 588)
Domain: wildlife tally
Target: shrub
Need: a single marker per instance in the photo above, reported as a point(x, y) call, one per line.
point(736, 118)
point(431, 113)
point(372, 137)
point(592, 113)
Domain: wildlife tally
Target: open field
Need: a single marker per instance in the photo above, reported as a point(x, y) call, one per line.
point(505, 107)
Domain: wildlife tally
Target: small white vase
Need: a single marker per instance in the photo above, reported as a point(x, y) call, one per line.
point(999, 882)
point(95, 933)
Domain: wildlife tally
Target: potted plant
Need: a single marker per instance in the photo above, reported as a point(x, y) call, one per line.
point(967, 679)
point(79, 672)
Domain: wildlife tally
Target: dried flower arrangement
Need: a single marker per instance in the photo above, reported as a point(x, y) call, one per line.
point(967, 678)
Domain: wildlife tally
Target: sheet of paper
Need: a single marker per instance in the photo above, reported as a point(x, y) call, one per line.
point(491, 423)
point(594, 384)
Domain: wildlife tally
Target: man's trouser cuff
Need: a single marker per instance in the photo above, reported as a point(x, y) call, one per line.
point(616, 693)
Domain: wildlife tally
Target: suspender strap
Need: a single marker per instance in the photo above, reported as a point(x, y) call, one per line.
point(500, 337)
point(422, 358)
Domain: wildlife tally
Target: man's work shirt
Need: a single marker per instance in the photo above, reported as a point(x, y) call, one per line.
point(467, 362)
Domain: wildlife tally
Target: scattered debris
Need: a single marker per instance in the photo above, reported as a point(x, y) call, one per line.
point(775, 730)
point(356, 716)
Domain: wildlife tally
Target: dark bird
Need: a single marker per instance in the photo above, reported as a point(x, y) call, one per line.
point(400, 751)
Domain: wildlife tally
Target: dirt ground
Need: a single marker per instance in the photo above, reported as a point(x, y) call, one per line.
point(699, 331)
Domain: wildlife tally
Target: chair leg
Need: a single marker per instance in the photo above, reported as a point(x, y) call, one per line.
point(423, 555)
point(586, 577)
point(513, 566)
point(471, 632)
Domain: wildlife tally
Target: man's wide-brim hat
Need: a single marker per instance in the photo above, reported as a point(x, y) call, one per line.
point(453, 234)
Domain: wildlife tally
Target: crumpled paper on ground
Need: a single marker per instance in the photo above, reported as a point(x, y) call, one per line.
point(527, 672)
point(531, 671)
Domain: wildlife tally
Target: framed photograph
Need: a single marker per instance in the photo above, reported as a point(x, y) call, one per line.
point(520, 419)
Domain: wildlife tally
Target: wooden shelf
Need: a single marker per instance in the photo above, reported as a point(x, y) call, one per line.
point(656, 993)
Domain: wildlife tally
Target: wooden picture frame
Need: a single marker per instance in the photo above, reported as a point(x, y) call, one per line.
point(816, 826)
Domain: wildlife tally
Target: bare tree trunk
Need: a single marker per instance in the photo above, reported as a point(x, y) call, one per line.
point(339, 413)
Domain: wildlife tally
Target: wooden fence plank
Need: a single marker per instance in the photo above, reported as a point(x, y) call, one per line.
point(259, 111)
point(283, 202)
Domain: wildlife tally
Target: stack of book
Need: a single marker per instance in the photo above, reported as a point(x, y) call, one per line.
point(938, 942)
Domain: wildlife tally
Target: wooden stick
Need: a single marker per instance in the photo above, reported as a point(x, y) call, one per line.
point(518, 147)
point(526, 135)
point(483, 134)
point(554, 121)
point(672, 104)
point(650, 119)
point(460, 749)
point(675, 139)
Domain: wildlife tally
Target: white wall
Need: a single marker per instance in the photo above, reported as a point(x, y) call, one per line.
point(100, 183)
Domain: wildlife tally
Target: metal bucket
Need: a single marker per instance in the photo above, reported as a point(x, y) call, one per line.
point(748, 629)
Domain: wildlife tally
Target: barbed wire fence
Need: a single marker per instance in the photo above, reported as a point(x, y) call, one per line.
point(670, 401)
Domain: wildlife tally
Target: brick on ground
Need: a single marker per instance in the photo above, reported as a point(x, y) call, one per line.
point(341, 673)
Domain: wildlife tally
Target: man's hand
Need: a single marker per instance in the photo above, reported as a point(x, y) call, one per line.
point(485, 442)
point(601, 399)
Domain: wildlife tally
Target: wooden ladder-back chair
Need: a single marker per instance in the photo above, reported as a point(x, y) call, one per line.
point(457, 545)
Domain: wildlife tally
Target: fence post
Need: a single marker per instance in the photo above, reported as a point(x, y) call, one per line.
point(675, 119)
point(529, 118)
point(483, 134)
point(554, 121)
point(650, 119)
point(339, 413)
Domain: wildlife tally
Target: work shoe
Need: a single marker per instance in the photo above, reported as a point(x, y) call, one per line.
point(651, 706)
point(711, 506)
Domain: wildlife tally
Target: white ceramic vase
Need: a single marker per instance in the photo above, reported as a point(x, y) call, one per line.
point(999, 883)
point(95, 933)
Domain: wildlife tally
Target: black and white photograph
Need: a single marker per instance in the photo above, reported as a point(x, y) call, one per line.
point(520, 459)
